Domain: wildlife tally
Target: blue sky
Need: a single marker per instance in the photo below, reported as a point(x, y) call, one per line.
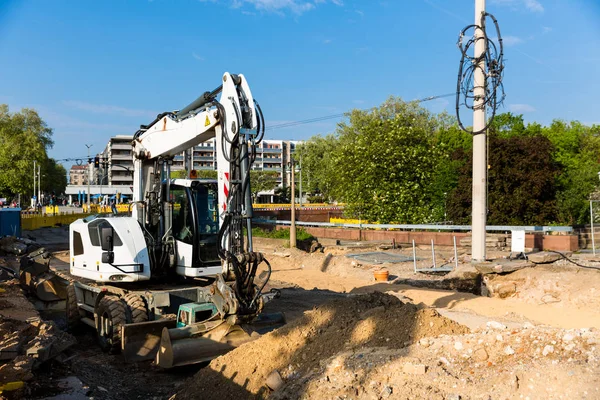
point(94, 69)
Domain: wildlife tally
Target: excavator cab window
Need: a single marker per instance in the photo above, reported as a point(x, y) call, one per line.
point(206, 204)
point(183, 221)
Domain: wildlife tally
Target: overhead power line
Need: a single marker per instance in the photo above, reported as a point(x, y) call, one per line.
point(340, 115)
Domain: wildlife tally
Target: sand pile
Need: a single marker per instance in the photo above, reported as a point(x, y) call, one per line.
point(299, 349)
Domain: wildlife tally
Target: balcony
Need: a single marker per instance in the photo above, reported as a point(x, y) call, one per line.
point(204, 158)
point(121, 146)
point(274, 151)
point(272, 160)
point(121, 156)
point(121, 178)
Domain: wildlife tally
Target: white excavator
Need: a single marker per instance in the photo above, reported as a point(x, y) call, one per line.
point(175, 281)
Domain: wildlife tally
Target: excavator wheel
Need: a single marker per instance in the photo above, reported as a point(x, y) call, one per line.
point(111, 316)
point(72, 311)
point(135, 310)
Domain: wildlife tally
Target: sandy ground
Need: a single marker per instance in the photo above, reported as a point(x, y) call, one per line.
point(537, 343)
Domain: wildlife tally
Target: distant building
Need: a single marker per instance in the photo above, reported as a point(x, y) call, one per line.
point(116, 162)
point(115, 168)
point(78, 175)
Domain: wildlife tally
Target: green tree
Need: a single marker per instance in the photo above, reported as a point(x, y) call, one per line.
point(576, 150)
point(24, 138)
point(54, 178)
point(262, 181)
point(318, 170)
point(385, 162)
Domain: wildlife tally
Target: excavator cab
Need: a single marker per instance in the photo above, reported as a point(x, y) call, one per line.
point(195, 226)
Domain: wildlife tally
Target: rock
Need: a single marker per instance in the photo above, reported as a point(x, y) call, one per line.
point(453, 397)
point(495, 325)
point(480, 354)
point(509, 351)
point(458, 345)
point(567, 337)
point(13, 245)
point(425, 342)
point(274, 381)
point(414, 369)
point(386, 392)
point(499, 338)
point(315, 246)
point(548, 349)
point(502, 266)
point(544, 257)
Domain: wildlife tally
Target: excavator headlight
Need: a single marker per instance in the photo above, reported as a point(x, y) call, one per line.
point(117, 277)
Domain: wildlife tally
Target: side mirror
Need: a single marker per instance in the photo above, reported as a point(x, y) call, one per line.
point(106, 239)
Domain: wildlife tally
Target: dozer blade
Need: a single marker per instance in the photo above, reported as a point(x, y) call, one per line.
point(140, 341)
point(177, 348)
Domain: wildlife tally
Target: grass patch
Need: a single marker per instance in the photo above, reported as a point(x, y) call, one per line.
point(301, 234)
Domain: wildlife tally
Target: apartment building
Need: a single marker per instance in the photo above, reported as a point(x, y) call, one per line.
point(78, 175)
point(116, 162)
point(116, 166)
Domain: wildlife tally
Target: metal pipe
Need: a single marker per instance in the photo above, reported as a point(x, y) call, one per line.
point(414, 256)
point(455, 253)
point(433, 254)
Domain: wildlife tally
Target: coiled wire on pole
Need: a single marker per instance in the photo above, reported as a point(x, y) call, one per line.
point(493, 70)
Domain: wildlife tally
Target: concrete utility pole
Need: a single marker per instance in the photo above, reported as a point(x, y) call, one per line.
point(479, 142)
point(89, 175)
point(293, 208)
point(39, 183)
point(300, 165)
point(33, 197)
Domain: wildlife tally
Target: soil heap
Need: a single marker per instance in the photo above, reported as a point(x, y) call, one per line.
point(301, 349)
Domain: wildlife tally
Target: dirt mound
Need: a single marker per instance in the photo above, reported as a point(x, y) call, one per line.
point(348, 324)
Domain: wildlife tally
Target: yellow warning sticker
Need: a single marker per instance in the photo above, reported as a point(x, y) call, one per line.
point(207, 122)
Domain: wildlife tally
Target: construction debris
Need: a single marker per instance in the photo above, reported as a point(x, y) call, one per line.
point(26, 342)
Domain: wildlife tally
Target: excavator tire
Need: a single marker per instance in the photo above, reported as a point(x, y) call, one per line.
point(135, 310)
point(111, 316)
point(72, 311)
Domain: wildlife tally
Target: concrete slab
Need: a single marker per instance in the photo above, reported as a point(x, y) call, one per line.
point(502, 266)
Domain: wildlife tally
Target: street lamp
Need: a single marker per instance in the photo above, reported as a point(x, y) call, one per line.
point(293, 206)
point(89, 174)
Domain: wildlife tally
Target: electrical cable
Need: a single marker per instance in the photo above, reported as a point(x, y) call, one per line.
point(491, 63)
point(332, 116)
point(566, 258)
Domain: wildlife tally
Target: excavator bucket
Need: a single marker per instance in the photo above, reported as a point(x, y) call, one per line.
point(140, 341)
point(204, 341)
point(178, 348)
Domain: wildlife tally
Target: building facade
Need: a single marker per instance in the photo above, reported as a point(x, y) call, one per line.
point(116, 162)
point(115, 167)
point(78, 175)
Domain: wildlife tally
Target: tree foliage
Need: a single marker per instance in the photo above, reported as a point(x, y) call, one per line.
point(262, 181)
point(400, 163)
point(25, 138)
point(385, 162)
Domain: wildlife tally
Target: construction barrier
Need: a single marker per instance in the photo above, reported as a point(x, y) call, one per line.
point(32, 222)
point(284, 206)
point(98, 209)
